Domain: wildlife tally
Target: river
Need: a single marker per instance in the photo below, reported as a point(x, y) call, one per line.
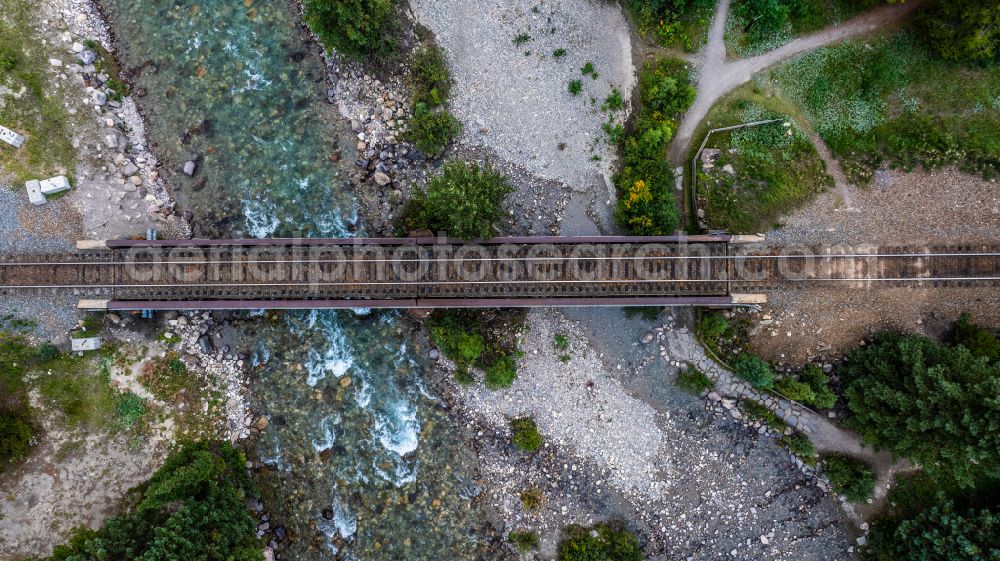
point(363, 461)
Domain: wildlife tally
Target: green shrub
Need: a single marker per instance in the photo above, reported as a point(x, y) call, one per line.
point(9, 59)
point(694, 381)
point(588, 70)
point(851, 477)
point(800, 445)
point(47, 352)
point(430, 130)
point(194, 507)
point(601, 542)
point(15, 439)
point(430, 80)
point(794, 390)
point(575, 87)
point(524, 540)
point(460, 346)
point(525, 435)
point(131, 409)
point(614, 101)
point(980, 342)
point(464, 377)
point(816, 379)
point(754, 370)
point(356, 28)
point(560, 342)
point(927, 402)
point(465, 201)
point(674, 23)
point(521, 38)
point(646, 204)
point(501, 374)
point(755, 410)
point(532, 498)
point(559, 53)
point(712, 326)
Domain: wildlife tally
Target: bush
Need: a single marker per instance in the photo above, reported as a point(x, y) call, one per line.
point(850, 477)
point(816, 379)
point(524, 540)
point(46, 352)
point(754, 370)
point(795, 391)
point(713, 326)
point(464, 201)
point(602, 542)
point(430, 80)
point(575, 87)
point(464, 377)
point(532, 498)
point(501, 374)
point(980, 342)
point(674, 22)
point(927, 402)
point(800, 445)
point(15, 439)
point(694, 381)
point(525, 435)
point(194, 507)
point(430, 130)
point(646, 204)
point(356, 28)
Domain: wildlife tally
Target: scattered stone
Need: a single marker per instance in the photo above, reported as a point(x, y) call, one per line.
point(99, 97)
point(55, 62)
point(647, 337)
point(130, 169)
point(190, 167)
point(87, 57)
point(382, 179)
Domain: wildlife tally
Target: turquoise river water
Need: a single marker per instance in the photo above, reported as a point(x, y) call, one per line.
point(363, 461)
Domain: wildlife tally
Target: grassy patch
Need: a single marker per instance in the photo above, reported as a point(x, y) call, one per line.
point(893, 102)
point(694, 381)
point(432, 126)
point(760, 173)
point(523, 540)
point(759, 412)
point(532, 498)
point(575, 87)
point(35, 109)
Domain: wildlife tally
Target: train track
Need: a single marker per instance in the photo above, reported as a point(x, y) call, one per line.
point(543, 272)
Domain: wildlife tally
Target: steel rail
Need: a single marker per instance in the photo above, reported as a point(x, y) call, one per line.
point(464, 283)
point(497, 259)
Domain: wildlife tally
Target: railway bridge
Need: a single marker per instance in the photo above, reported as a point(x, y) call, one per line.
point(428, 272)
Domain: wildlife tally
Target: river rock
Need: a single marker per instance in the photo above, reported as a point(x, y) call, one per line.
point(130, 169)
point(100, 98)
point(382, 178)
point(87, 57)
point(190, 167)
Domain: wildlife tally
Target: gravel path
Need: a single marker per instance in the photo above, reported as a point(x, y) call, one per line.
point(719, 76)
point(519, 105)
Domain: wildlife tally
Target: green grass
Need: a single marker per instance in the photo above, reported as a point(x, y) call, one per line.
point(525, 435)
point(776, 168)
point(560, 342)
point(524, 540)
point(39, 113)
point(891, 101)
point(759, 412)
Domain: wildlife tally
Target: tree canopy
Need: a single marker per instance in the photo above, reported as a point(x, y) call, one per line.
point(464, 201)
point(934, 404)
point(963, 30)
point(193, 508)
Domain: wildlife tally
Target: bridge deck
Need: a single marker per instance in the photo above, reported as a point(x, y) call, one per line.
point(421, 272)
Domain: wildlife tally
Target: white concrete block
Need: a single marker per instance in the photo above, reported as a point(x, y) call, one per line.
point(89, 344)
point(11, 137)
point(35, 195)
point(55, 185)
